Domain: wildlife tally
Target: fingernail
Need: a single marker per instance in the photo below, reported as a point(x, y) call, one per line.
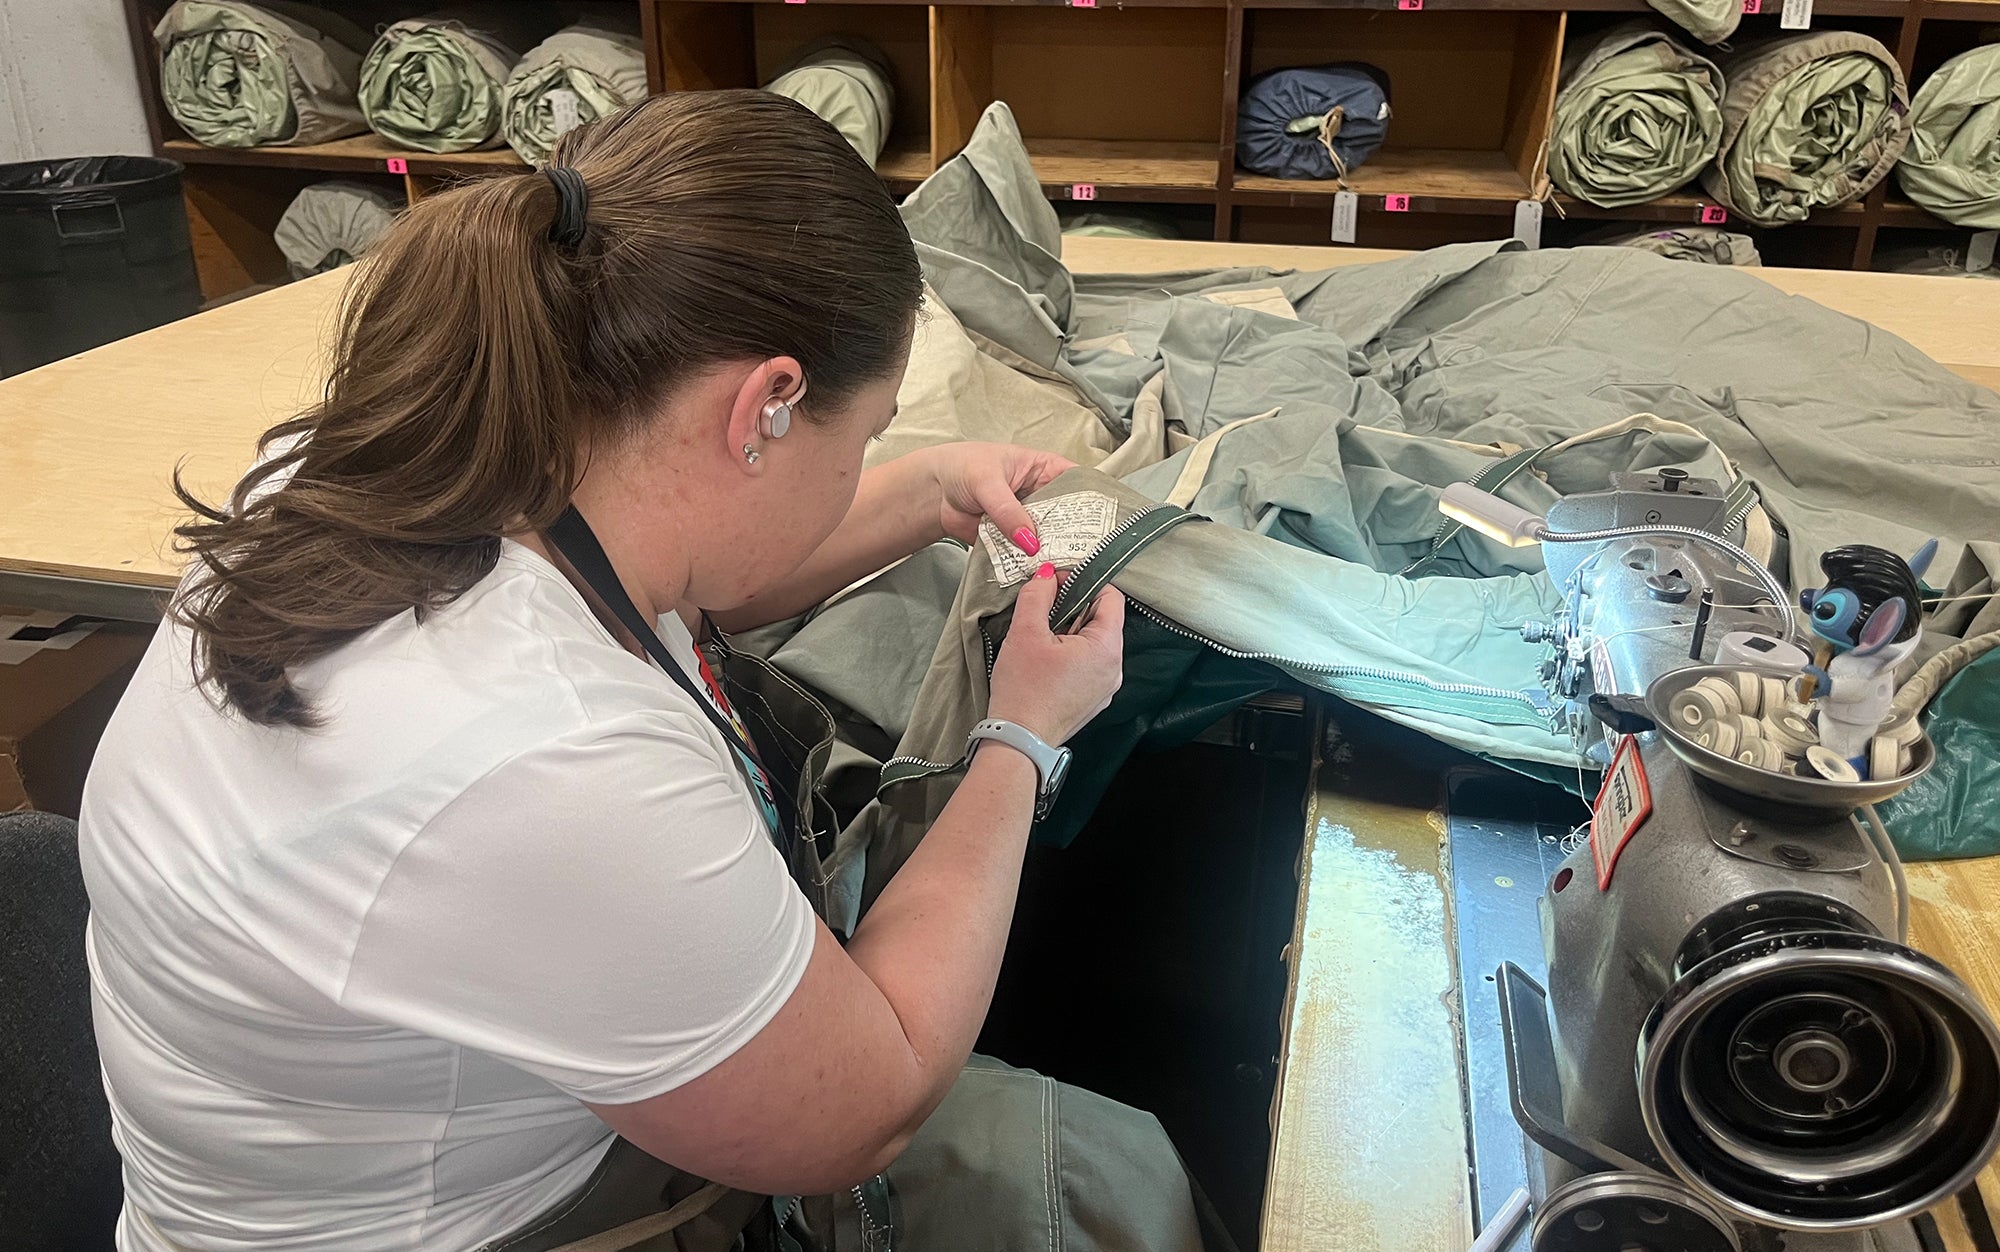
point(1047, 571)
point(1025, 540)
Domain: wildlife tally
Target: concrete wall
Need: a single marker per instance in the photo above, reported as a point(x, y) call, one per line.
point(67, 83)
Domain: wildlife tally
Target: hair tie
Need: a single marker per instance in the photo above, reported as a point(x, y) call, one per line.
point(572, 202)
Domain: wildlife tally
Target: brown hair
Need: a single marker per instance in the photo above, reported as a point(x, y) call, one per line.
point(475, 359)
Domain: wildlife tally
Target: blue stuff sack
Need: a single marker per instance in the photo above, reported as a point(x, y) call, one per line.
point(1287, 117)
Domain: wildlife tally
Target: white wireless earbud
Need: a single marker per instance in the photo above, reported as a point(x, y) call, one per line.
point(777, 419)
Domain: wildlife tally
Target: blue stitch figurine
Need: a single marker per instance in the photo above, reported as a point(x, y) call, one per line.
point(1866, 618)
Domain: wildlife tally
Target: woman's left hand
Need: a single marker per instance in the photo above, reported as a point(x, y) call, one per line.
point(988, 480)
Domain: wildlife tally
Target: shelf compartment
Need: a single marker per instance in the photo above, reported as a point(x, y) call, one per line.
point(1472, 94)
point(1128, 101)
point(703, 46)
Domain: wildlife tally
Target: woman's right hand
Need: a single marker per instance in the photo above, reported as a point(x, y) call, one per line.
point(1054, 684)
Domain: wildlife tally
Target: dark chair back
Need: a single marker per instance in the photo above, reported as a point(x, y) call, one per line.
point(60, 1189)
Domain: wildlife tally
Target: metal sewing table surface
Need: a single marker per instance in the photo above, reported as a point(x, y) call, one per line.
point(1370, 1146)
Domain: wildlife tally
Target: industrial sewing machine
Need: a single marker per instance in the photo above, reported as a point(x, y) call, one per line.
point(1732, 1048)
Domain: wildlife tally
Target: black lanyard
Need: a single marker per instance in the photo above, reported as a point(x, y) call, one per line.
point(578, 544)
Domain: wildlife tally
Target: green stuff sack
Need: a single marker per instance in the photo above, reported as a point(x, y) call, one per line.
point(1952, 166)
point(331, 224)
point(580, 73)
point(1637, 117)
point(238, 75)
point(434, 83)
point(1954, 811)
point(1809, 122)
point(847, 81)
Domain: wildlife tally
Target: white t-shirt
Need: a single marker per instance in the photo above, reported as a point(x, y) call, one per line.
point(350, 983)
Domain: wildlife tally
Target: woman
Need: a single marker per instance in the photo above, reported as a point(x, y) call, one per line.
point(425, 853)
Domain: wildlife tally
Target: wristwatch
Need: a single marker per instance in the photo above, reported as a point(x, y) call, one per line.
point(1052, 764)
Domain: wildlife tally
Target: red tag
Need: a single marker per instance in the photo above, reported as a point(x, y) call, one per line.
point(1084, 191)
point(1623, 804)
point(398, 165)
point(1397, 204)
point(1715, 214)
point(1082, 4)
point(795, 1)
point(1753, 6)
point(1409, 4)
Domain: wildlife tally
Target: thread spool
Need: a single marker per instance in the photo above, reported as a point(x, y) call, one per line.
point(1720, 737)
point(1885, 758)
point(1705, 702)
point(1763, 754)
point(1904, 730)
point(1791, 732)
point(1829, 766)
point(1774, 695)
point(1748, 728)
point(1749, 691)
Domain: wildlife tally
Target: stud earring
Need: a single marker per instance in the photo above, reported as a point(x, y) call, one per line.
point(750, 454)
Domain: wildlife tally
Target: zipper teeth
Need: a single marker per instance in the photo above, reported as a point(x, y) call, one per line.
point(1342, 671)
point(861, 1207)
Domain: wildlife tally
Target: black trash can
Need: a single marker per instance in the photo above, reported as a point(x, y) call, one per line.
point(91, 249)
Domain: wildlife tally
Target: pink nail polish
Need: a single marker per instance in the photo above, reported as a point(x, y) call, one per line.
point(1025, 540)
point(1047, 571)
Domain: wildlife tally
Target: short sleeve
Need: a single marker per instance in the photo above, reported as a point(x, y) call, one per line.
point(606, 911)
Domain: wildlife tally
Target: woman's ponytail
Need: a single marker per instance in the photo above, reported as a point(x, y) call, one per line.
point(451, 415)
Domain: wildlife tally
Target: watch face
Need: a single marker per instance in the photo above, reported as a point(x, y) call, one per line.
point(1058, 770)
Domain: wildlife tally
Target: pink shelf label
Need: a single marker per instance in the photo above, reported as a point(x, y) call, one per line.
point(1396, 204)
point(795, 1)
point(398, 165)
point(1753, 6)
point(1082, 4)
point(1410, 5)
point(1713, 215)
point(1083, 191)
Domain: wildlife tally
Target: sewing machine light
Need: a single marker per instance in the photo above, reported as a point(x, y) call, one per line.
point(1491, 516)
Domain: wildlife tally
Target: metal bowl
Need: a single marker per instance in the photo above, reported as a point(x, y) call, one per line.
point(1822, 794)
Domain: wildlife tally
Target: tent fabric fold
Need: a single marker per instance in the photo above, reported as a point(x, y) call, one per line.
point(1638, 116)
point(238, 75)
point(434, 83)
point(1952, 166)
point(1809, 122)
point(848, 82)
point(601, 66)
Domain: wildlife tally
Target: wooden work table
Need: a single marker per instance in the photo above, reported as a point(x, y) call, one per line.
point(1369, 1130)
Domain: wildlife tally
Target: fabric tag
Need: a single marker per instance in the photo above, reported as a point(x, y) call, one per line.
point(1071, 529)
point(565, 110)
point(1797, 15)
point(1528, 222)
point(1623, 804)
point(1979, 250)
point(1346, 207)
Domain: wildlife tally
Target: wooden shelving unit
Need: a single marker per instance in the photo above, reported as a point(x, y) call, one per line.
point(1134, 102)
